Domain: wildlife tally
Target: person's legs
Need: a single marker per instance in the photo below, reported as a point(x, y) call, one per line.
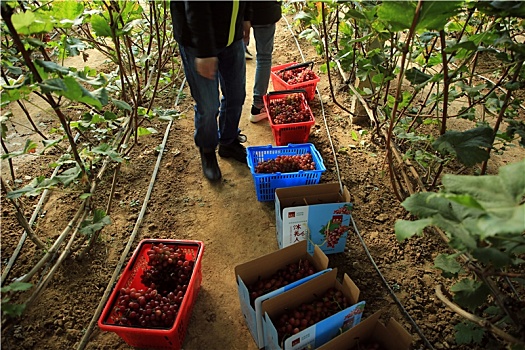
point(232, 78)
point(264, 38)
point(205, 92)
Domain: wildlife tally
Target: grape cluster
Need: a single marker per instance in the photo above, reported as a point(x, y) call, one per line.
point(332, 237)
point(343, 210)
point(297, 75)
point(307, 314)
point(282, 277)
point(166, 280)
point(286, 164)
point(147, 308)
point(289, 110)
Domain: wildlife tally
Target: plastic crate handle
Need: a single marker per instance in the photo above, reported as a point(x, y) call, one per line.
point(298, 65)
point(282, 92)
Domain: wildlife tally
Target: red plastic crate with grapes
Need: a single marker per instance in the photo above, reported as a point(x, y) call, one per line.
point(289, 116)
point(274, 167)
point(151, 303)
point(291, 76)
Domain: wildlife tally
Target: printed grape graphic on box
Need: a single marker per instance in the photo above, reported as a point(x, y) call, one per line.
point(319, 214)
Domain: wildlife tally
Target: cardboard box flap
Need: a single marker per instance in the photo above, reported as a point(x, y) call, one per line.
point(311, 195)
point(277, 304)
point(391, 337)
point(265, 265)
point(351, 288)
point(398, 332)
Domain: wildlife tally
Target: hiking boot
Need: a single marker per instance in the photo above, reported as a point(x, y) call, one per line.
point(242, 138)
point(210, 167)
point(234, 150)
point(258, 114)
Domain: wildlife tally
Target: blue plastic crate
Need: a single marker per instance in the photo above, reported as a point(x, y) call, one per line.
point(265, 184)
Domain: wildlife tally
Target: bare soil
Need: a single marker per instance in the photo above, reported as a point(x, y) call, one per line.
point(232, 224)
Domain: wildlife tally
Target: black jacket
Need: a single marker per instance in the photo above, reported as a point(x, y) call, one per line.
point(263, 12)
point(205, 26)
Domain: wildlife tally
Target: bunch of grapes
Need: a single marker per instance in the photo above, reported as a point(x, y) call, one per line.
point(297, 75)
point(289, 110)
point(343, 210)
point(167, 268)
point(308, 314)
point(282, 277)
point(332, 237)
point(286, 164)
point(147, 308)
point(166, 280)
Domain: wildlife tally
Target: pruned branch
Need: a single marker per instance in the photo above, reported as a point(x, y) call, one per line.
point(476, 319)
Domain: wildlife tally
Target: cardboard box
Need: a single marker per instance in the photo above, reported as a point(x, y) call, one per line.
point(264, 267)
point(324, 330)
point(311, 212)
point(390, 337)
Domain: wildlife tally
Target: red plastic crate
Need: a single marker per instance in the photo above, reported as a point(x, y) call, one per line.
point(138, 337)
point(291, 132)
point(279, 84)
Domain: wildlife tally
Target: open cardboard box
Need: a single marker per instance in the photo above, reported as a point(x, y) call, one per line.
point(390, 337)
point(324, 330)
point(309, 212)
point(265, 266)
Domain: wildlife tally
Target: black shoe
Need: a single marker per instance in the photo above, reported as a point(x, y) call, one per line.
point(210, 167)
point(234, 150)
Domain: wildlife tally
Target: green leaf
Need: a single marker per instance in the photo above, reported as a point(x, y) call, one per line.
point(100, 26)
point(28, 23)
point(16, 286)
point(70, 88)
point(13, 310)
point(66, 11)
point(448, 265)
point(469, 293)
point(145, 131)
point(464, 199)
point(96, 223)
point(513, 180)
point(123, 105)
point(52, 67)
point(36, 186)
point(107, 150)
point(492, 256)
point(467, 45)
point(469, 146)
point(168, 114)
point(434, 15)
point(85, 195)
point(468, 333)
point(29, 147)
point(405, 229)
point(416, 76)
point(501, 221)
point(398, 15)
point(69, 175)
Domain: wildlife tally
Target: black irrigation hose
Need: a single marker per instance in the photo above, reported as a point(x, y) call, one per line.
point(392, 293)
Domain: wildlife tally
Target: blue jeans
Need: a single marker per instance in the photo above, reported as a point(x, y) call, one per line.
point(231, 77)
point(263, 35)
